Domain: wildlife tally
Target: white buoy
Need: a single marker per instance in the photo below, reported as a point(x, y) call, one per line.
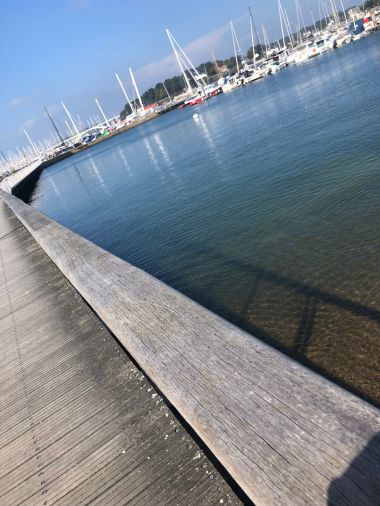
point(195, 116)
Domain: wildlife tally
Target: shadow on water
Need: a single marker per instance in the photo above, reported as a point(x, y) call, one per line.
point(323, 328)
point(26, 188)
point(360, 484)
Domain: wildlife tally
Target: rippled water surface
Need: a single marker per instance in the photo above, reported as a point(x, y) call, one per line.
point(266, 210)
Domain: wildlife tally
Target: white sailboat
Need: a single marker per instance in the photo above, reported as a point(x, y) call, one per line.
point(132, 107)
point(186, 66)
point(236, 80)
point(252, 72)
point(107, 123)
point(305, 52)
point(200, 91)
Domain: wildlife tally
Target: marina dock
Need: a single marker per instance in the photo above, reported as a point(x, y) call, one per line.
point(73, 402)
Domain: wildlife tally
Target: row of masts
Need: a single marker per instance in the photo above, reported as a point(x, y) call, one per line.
point(75, 129)
point(192, 77)
point(190, 73)
point(285, 25)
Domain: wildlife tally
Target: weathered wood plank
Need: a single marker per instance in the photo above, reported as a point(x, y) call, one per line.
point(79, 423)
point(287, 435)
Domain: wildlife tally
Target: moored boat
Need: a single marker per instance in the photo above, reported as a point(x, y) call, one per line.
point(305, 52)
point(232, 83)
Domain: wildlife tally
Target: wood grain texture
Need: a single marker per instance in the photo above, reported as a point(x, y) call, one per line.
point(286, 435)
point(79, 422)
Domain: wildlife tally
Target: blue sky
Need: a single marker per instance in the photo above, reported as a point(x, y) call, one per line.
point(69, 50)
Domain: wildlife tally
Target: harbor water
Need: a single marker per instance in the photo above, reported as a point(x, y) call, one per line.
point(265, 209)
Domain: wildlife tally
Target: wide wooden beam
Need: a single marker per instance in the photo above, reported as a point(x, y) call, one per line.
point(287, 435)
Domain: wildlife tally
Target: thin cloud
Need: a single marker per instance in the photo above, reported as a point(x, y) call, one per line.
point(16, 102)
point(55, 108)
point(76, 5)
point(28, 124)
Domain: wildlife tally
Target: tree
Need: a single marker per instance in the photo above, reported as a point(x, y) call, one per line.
point(258, 50)
point(370, 4)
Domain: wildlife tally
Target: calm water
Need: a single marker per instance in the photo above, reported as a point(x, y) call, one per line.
point(266, 210)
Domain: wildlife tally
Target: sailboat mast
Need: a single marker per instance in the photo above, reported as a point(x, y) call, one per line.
point(71, 133)
point(334, 12)
point(136, 89)
point(187, 59)
point(252, 38)
point(281, 23)
point(312, 17)
point(70, 118)
point(54, 125)
point(34, 147)
point(216, 65)
point(298, 23)
point(234, 44)
point(303, 21)
point(255, 30)
point(6, 161)
point(179, 61)
point(19, 152)
point(326, 13)
point(102, 112)
point(266, 40)
point(169, 97)
point(125, 94)
point(287, 23)
point(344, 12)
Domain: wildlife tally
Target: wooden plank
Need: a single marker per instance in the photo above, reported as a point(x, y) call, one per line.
point(79, 423)
point(286, 435)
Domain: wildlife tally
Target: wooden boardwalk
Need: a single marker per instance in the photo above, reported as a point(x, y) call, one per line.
point(79, 423)
point(285, 434)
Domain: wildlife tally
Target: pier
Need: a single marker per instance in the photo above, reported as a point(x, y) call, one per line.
point(283, 433)
point(79, 421)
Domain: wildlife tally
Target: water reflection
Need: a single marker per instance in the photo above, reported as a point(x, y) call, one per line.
point(214, 151)
point(99, 177)
point(206, 133)
point(83, 183)
point(166, 157)
point(125, 161)
point(57, 192)
point(163, 151)
point(153, 158)
point(289, 248)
